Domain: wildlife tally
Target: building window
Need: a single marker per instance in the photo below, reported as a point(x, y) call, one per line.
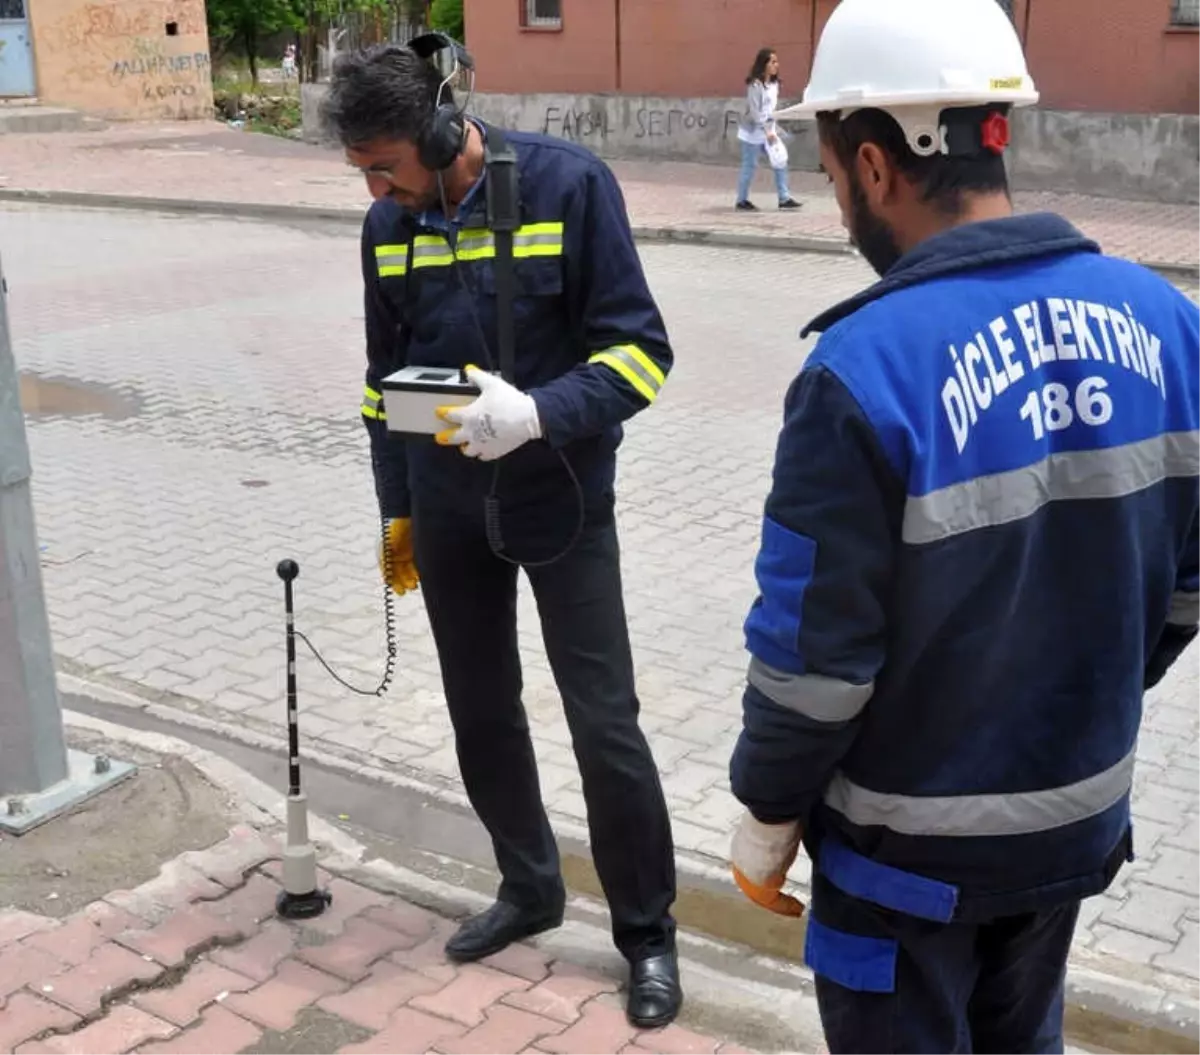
point(1185, 12)
point(541, 14)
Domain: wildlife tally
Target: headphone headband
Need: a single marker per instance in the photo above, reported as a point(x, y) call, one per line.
point(444, 140)
point(427, 45)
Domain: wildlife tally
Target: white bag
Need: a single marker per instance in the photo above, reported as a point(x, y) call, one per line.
point(777, 153)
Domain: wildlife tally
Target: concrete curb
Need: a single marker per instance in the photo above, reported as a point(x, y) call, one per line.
point(1140, 1015)
point(342, 214)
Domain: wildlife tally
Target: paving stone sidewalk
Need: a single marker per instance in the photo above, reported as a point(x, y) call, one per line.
point(209, 161)
point(196, 961)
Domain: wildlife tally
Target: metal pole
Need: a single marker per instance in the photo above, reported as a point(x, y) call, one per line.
point(288, 570)
point(300, 897)
point(33, 755)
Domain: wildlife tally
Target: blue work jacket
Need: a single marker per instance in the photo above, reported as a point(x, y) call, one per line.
point(978, 551)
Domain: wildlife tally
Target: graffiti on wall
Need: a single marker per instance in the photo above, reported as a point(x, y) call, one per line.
point(133, 57)
point(570, 123)
point(163, 76)
point(646, 122)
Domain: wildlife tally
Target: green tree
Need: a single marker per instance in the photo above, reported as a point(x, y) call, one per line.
point(246, 22)
point(447, 16)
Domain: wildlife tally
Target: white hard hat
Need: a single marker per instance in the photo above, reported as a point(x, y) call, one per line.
point(913, 59)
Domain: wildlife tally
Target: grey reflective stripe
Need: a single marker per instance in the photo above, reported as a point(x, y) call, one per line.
point(1005, 497)
point(1185, 608)
point(424, 252)
point(392, 261)
point(536, 239)
point(1021, 813)
point(812, 695)
point(478, 241)
point(639, 368)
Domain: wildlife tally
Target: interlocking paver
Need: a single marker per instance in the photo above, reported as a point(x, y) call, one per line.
point(408, 1031)
point(602, 1027)
point(258, 957)
point(121, 1030)
point(351, 954)
point(16, 924)
point(561, 996)
point(25, 1015)
point(275, 1003)
point(372, 1001)
point(202, 985)
point(85, 988)
point(469, 995)
point(504, 1030)
point(219, 1030)
point(19, 964)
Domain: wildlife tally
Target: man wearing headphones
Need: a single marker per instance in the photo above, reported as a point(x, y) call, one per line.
point(523, 476)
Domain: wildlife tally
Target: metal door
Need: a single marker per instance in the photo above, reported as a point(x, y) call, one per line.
point(16, 49)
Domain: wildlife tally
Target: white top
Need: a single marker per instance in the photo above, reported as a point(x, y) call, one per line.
point(761, 101)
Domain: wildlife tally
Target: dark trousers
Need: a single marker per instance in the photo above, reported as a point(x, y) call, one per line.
point(987, 987)
point(471, 597)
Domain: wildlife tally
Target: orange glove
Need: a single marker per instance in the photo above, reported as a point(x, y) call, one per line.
point(761, 856)
point(396, 556)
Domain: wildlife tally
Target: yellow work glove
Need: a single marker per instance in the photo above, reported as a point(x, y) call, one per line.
point(760, 857)
point(396, 556)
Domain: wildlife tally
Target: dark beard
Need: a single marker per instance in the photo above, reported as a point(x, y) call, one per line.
point(870, 234)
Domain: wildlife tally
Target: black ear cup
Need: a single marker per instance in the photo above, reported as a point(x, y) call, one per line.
point(444, 140)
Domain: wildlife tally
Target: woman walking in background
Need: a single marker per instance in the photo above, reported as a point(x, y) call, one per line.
point(758, 134)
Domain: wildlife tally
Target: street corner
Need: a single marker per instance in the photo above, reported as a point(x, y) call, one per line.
point(155, 840)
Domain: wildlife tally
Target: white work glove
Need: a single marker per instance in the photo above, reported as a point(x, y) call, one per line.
point(760, 857)
point(497, 423)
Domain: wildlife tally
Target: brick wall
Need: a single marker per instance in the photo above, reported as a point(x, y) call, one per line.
point(1098, 55)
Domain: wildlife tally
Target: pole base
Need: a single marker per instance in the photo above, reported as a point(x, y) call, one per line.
point(302, 906)
point(87, 775)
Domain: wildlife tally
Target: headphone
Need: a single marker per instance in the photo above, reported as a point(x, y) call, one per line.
point(446, 134)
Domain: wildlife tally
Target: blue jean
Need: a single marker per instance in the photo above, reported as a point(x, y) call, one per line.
point(751, 153)
point(995, 986)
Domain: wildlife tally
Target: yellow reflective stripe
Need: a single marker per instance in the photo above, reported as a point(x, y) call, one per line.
point(474, 243)
point(371, 404)
point(520, 251)
point(391, 259)
point(622, 367)
point(643, 360)
point(483, 252)
point(550, 227)
point(431, 250)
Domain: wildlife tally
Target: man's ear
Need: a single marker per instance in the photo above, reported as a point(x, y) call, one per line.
point(877, 174)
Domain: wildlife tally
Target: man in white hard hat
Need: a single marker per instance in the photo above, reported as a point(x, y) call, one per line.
point(979, 550)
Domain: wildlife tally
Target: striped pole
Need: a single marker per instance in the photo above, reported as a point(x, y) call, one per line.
point(287, 571)
point(300, 897)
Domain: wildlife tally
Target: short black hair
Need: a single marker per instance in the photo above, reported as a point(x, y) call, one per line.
point(941, 179)
point(385, 91)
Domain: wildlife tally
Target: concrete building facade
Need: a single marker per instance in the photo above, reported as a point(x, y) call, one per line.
point(112, 58)
point(1125, 56)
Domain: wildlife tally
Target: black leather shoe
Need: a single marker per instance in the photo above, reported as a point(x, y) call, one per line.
point(498, 927)
point(655, 995)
